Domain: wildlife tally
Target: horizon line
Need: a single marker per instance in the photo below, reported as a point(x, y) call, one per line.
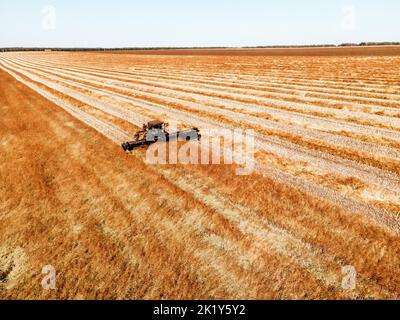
point(361, 44)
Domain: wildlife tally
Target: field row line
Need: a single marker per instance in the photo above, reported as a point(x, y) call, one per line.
point(117, 136)
point(113, 133)
point(265, 103)
point(321, 265)
point(322, 136)
point(384, 178)
point(275, 83)
point(389, 220)
point(320, 123)
point(381, 179)
point(283, 72)
point(299, 74)
point(271, 86)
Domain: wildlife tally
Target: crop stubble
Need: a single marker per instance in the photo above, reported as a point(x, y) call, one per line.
point(325, 192)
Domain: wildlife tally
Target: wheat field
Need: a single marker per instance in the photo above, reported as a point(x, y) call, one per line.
point(325, 193)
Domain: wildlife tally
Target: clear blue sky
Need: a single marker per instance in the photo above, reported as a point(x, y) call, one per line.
point(151, 23)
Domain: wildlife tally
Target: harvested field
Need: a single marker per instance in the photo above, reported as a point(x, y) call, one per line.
point(324, 195)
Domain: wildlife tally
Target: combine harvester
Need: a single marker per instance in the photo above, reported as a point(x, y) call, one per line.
point(156, 131)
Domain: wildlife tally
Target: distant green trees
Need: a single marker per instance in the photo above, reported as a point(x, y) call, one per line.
point(379, 43)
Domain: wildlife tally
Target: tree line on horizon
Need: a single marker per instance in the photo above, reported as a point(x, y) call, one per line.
point(362, 44)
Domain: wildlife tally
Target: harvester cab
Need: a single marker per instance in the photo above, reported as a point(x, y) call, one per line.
point(155, 131)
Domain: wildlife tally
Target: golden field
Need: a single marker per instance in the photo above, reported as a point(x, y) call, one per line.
point(325, 193)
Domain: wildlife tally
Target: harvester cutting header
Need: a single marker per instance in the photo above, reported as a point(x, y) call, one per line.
point(156, 131)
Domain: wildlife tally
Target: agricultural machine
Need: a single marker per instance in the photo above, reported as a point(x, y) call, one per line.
point(156, 131)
